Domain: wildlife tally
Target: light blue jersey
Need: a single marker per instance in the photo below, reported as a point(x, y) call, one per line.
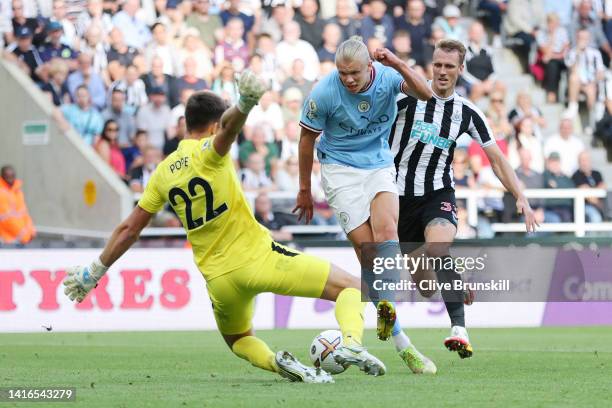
point(355, 126)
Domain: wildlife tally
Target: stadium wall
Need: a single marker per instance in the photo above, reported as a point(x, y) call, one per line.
point(161, 289)
point(56, 167)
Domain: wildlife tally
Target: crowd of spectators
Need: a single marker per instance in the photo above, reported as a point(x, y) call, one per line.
point(120, 73)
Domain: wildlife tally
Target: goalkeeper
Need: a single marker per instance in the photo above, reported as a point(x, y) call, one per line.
point(235, 254)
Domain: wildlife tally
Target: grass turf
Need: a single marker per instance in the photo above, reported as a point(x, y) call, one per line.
point(543, 367)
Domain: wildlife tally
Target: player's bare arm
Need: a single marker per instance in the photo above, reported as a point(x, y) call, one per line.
point(251, 88)
point(124, 236)
point(507, 176)
point(414, 83)
point(81, 280)
point(304, 205)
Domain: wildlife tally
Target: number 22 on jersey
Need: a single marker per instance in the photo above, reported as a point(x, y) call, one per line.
point(192, 194)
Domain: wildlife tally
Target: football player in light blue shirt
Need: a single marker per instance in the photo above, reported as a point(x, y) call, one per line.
point(353, 109)
point(355, 123)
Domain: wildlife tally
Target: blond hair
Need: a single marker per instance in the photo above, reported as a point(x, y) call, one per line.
point(57, 65)
point(353, 49)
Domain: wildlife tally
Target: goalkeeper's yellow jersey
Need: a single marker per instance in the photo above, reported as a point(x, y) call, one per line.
point(205, 193)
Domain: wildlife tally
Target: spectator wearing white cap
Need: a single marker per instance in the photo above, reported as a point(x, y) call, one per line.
point(450, 23)
point(292, 104)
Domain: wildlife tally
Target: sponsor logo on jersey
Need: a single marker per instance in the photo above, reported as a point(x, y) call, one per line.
point(374, 126)
point(428, 133)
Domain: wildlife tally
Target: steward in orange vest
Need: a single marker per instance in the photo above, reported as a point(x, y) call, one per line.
point(15, 223)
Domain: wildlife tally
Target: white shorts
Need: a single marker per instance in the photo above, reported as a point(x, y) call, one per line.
point(349, 191)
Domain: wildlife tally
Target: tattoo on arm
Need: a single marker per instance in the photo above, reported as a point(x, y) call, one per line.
point(439, 221)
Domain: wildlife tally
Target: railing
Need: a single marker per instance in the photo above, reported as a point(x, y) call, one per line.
point(579, 227)
point(578, 195)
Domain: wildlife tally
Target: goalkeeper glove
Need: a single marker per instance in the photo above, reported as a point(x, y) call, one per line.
point(251, 88)
point(80, 280)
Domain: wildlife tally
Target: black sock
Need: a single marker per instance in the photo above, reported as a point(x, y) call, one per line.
point(453, 299)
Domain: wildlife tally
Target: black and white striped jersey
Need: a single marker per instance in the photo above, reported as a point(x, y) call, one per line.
point(423, 139)
point(588, 63)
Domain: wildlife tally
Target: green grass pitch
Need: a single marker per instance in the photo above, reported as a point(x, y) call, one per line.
point(543, 367)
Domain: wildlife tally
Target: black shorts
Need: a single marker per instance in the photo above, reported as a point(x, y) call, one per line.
point(416, 212)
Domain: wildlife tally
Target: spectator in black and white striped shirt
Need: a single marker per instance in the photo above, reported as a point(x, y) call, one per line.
point(586, 68)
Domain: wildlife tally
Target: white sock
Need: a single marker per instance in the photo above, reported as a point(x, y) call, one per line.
point(401, 341)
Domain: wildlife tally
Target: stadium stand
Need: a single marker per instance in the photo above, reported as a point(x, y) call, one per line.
point(119, 72)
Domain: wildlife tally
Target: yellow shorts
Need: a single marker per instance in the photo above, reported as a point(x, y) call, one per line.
point(282, 270)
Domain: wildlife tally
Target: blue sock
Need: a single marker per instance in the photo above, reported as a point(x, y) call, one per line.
point(397, 327)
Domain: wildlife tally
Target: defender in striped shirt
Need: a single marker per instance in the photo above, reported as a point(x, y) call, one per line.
point(422, 141)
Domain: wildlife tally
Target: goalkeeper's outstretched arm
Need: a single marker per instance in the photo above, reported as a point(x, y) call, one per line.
point(232, 122)
point(82, 279)
point(124, 236)
point(251, 88)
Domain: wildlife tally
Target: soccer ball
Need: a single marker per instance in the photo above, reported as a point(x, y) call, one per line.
point(322, 348)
